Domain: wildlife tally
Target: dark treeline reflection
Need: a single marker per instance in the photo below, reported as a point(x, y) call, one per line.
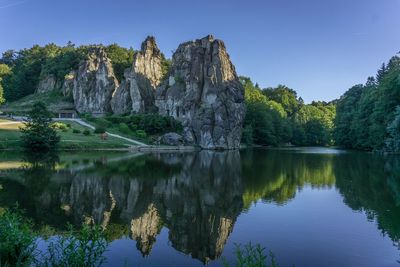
point(197, 196)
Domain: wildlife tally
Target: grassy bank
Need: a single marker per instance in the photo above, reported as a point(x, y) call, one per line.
point(142, 127)
point(74, 136)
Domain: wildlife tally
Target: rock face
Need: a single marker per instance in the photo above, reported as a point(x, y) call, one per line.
point(205, 94)
point(47, 84)
point(68, 85)
point(94, 83)
point(136, 92)
point(171, 139)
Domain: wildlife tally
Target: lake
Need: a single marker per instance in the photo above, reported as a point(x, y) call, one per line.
point(309, 206)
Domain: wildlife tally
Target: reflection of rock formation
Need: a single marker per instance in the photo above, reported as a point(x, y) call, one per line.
point(202, 203)
point(145, 229)
point(198, 202)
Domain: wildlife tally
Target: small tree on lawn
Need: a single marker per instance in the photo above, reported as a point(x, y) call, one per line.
point(37, 133)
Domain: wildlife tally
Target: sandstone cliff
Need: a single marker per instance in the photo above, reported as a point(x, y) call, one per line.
point(47, 84)
point(94, 83)
point(205, 94)
point(136, 92)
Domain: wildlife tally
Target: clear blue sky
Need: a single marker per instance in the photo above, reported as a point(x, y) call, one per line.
point(320, 48)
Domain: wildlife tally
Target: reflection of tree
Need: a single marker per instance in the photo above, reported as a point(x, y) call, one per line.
point(277, 175)
point(370, 183)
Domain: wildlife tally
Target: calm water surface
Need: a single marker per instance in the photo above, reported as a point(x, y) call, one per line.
point(310, 206)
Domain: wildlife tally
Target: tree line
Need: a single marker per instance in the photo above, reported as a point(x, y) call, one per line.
point(275, 116)
point(368, 115)
point(21, 71)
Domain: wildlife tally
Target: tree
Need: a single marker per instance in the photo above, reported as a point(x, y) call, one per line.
point(285, 96)
point(121, 59)
point(4, 70)
point(393, 129)
point(38, 135)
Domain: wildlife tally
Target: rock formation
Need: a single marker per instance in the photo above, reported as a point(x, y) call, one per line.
point(94, 83)
point(201, 89)
point(68, 85)
point(47, 84)
point(136, 92)
point(205, 94)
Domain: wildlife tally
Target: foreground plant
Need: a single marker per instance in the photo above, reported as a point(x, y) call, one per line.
point(251, 256)
point(83, 248)
point(17, 240)
point(18, 246)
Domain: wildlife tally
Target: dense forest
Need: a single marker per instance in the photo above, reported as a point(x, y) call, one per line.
point(366, 117)
point(276, 116)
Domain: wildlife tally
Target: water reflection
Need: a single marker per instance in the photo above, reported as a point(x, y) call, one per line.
point(197, 196)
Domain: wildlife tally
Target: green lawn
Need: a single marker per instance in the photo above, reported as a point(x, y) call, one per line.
point(10, 138)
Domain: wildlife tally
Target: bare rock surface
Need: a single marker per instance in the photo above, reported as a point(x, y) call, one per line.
point(47, 84)
point(94, 83)
point(203, 92)
point(136, 92)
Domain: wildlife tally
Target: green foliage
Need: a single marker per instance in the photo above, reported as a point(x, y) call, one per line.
point(275, 116)
point(140, 134)
point(76, 131)
point(140, 125)
point(165, 65)
point(17, 240)
point(86, 132)
point(38, 135)
point(59, 126)
point(251, 256)
point(124, 128)
point(365, 112)
point(83, 248)
point(28, 66)
point(121, 59)
point(99, 130)
point(285, 96)
point(4, 70)
point(393, 129)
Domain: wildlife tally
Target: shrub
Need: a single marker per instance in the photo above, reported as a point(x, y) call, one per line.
point(17, 244)
point(76, 131)
point(100, 130)
point(141, 134)
point(69, 125)
point(101, 122)
point(59, 126)
point(86, 132)
point(123, 128)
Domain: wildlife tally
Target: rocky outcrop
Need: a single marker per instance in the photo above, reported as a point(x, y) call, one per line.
point(205, 94)
point(136, 92)
point(94, 83)
point(47, 84)
point(68, 85)
point(171, 139)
